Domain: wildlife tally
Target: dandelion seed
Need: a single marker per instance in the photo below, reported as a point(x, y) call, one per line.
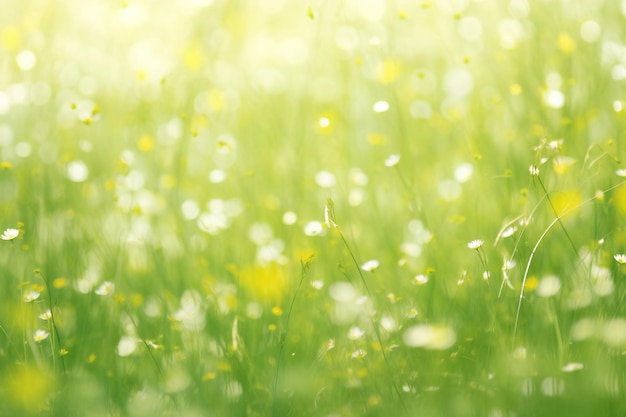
point(10, 234)
point(475, 244)
point(392, 160)
point(31, 296)
point(370, 265)
point(40, 335)
point(105, 289)
point(620, 258)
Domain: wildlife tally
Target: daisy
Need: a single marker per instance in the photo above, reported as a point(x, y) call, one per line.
point(475, 244)
point(31, 296)
point(10, 234)
point(40, 335)
point(370, 265)
point(620, 258)
point(105, 289)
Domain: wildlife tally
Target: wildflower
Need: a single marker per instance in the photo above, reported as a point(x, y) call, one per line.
point(40, 335)
point(380, 106)
point(621, 172)
point(10, 234)
point(620, 258)
point(46, 315)
point(548, 286)
point(105, 289)
point(572, 366)
point(520, 353)
point(534, 171)
point(31, 296)
point(359, 354)
point(289, 218)
point(370, 265)
point(392, 160)
point(313, 228)
point(153, 344)
point(509, 231)
point(317, 284)
point(420, 279)
point(475, 244)
point(355, 333)
point(433, 337)
point(126, 346)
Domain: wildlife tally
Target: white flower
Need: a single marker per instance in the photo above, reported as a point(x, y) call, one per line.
point(420, 279)
point(31, 296)
point(534, 171)
point(126, 346)
point(105, 288)
point(370, 265)
point(509, 231)
point(355, 333)
point(572, 366)
point(621, 172)
point(40, 335)
point(313, 228)
point(359, 354)
point(392, 160)
point(548, 286)
point(475, 244)
point(46, 315)
point(10, 234)
point(620, 258)
point(317, 284)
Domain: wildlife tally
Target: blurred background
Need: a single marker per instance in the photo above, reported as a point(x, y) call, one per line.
point(165, 170)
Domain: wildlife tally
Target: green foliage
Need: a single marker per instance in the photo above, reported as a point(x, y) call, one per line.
point(353, 208)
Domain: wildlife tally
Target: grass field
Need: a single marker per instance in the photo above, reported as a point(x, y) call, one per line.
point(325, 208)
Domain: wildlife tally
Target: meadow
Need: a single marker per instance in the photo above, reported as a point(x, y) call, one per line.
point(325, 208)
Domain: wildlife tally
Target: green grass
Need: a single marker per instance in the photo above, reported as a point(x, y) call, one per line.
point(171, 170)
